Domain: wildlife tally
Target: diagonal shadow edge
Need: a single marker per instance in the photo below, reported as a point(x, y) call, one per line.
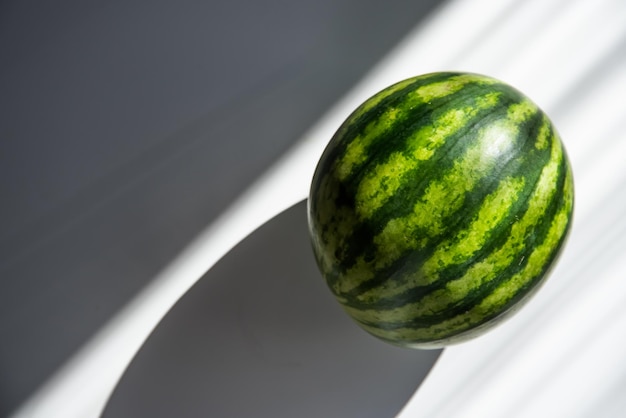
point(260, 335)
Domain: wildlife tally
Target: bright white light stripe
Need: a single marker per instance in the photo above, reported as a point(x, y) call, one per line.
point(443, 40)
point(607, 400)
point(602, 174)
point(595, 129)
point(562, 336)
point(557, 56)
point(503, 40)
point(595, 361)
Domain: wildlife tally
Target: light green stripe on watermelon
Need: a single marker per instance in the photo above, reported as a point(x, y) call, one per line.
point(444, 196)
point(495, 301)
point(537, 259)
point(383, 180)
point(489, 268)
point(441, 199)
point(495, 208)
point(379, 97)
point(440, 89)
point(357, 150)
point(545, 133)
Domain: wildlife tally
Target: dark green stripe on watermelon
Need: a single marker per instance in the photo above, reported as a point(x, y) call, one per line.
point(439, 205)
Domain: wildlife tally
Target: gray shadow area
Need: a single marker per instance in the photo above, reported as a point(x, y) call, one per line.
point(260, 335)
point(128, 127)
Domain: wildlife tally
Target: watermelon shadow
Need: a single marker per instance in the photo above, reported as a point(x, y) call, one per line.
point(260, 335)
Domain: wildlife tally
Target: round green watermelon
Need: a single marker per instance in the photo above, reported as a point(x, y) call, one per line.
point(439, 207)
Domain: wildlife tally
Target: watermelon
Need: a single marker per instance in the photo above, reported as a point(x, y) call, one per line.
point(439, 207)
